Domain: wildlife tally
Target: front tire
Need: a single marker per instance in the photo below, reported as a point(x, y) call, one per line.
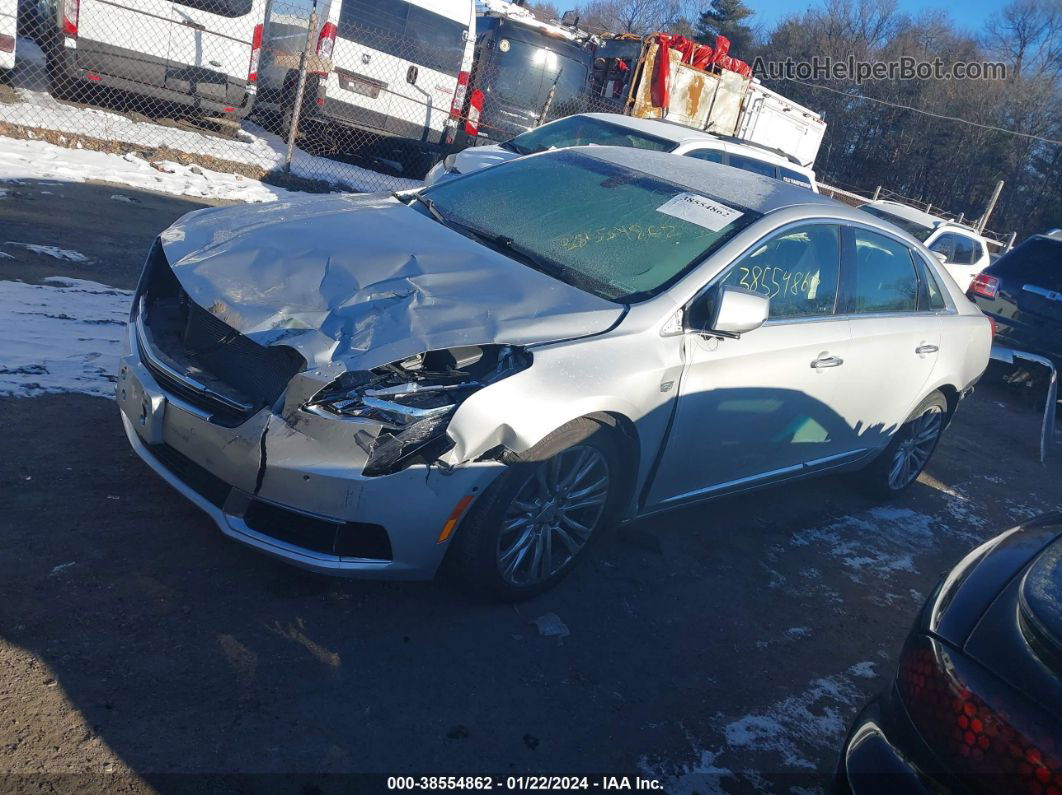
point(537, 520)
point(910, 449)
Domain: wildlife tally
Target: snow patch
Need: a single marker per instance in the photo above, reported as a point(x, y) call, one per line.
point(68, 255)
point(254, 146)
point(37, 160)
point(61, 336)
point(811, 719)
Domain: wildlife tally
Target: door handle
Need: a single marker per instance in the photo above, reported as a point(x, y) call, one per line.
point(922, 350)
point(827, 361)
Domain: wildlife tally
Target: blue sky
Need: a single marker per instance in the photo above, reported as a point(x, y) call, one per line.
point(969, 14)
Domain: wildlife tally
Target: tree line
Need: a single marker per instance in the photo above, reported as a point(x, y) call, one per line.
point(944, 142)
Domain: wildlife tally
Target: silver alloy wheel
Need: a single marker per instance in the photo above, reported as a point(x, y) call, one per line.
point(913, 452)
point(553, 515)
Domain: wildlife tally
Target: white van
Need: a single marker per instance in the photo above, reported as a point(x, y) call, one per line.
point(398, 75)
point(8, 24)
point(198, 53)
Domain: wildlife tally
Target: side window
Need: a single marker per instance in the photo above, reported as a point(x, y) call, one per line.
point(797, 270)
point(945, 244)
point(964, 250)
point(978, 250)
point(884, 275)
point(712, 155)
point(755, 166)
point(933, 291)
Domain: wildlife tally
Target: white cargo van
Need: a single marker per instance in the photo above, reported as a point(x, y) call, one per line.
point(8, 24)
point(198, 53)
point(398, 75)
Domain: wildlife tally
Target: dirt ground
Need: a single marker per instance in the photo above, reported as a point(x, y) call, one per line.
point(723, 647)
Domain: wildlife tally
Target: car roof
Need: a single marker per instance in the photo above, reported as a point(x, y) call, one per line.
point(731, 185)
point(910, 213)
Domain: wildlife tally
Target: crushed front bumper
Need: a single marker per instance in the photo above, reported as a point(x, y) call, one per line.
point(286, 490)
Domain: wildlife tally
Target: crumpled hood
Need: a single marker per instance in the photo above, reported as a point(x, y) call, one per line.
point(366, 280)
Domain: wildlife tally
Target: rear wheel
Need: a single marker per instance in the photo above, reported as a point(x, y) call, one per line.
point(910, 449)
point(540, 517)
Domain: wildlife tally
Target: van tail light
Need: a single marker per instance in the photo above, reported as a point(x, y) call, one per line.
point(326, 41)
point(985, 285)
point(256, 54)
point(7, 43)
point(71, 9)
point(475, 106)
point(976, 725)
point(458, 102)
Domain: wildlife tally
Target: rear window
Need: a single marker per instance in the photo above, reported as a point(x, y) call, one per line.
point(753, 165)
point(1037, 261)
point(522, 75)
point(223, 8)
point(406, 31)
point(584, 131)
point(793, 177)
point(913, 228)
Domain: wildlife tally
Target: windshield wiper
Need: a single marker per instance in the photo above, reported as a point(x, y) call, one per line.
point(430, 204)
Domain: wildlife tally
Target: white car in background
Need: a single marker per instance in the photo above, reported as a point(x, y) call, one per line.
point(8, 14)
point(963, 251)
point(614, 129)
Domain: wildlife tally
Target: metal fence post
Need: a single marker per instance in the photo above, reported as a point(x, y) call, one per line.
point(877, 192)
point(296, 112)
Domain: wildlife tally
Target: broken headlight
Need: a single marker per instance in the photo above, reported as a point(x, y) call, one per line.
point(412, 400)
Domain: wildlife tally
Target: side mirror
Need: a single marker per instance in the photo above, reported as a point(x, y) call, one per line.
point(733, 312)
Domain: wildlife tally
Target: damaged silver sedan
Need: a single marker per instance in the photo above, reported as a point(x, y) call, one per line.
point(493, 370)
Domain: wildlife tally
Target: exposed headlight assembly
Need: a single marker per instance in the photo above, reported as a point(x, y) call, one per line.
point(412, 400)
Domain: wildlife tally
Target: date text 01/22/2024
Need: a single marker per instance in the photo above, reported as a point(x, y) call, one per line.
point(518, 783)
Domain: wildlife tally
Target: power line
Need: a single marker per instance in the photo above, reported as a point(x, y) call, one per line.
point(926, 112)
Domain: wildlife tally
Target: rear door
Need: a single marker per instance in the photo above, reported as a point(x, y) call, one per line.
point(129, 39)
point(896, 335)
point(210, 47)
point(396, 62)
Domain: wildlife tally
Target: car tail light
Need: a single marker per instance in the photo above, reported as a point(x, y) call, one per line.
point(992, 323)
point(475, 105)
point(326, 42)
point(256, 54)
point(980, 728)
point(71, 9)
point(985, 285)
point(458, 102)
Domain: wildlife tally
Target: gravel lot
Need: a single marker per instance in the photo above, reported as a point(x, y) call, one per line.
point(720, 648)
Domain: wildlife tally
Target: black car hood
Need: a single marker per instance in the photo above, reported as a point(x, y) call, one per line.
point(366, 280)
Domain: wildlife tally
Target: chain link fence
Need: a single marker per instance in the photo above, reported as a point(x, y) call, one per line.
point(355, 95)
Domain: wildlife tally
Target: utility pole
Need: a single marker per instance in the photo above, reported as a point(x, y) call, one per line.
point(983, 222)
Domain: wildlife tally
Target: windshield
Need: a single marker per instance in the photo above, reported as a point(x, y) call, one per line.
point(913, 228)
point(583, 131)
point(620, 234)
point(523, 75)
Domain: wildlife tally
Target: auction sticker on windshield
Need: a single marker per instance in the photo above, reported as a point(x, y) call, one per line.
point(699, 210)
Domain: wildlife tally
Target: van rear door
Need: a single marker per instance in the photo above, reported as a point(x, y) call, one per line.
point(396, 62)
point(210, 47)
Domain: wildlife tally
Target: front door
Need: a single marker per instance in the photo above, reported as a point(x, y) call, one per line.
point(762, 407)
